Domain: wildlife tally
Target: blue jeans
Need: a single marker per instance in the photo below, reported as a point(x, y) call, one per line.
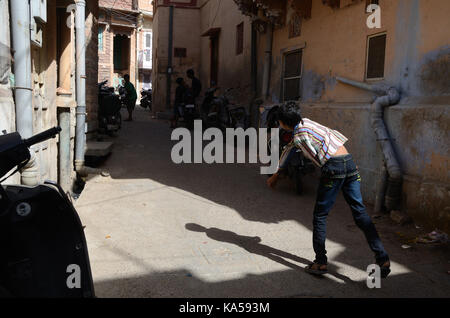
point(341, 173)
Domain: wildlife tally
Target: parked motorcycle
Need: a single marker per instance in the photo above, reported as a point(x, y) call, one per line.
point(43, 247)
point(188, 110)
point(146, 98)
point(220, 113)
point(298, 165)
point(109, 105)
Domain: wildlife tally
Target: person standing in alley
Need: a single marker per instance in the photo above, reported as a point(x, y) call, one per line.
point(196, 86)
point(325, 148)
point(180, 96)
point(131, 97)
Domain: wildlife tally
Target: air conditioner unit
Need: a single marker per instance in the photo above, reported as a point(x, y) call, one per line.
point(39, 10)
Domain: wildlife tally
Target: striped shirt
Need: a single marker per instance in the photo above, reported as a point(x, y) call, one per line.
point(317, 142)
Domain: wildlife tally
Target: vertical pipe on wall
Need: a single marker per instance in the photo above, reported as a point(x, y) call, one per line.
point(169, 63)
point(254, 58)
point(80, 135)
point(389, 96)
point(21, 44)
point(65, 167)
point(267, 61)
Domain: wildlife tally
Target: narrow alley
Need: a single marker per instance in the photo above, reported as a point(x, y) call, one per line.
point(156, 229)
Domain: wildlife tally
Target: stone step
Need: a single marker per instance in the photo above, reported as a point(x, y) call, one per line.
point(98, 148)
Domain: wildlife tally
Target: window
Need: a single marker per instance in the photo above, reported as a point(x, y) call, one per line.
point(240, 38)
point(101, 29)
point(148, 40)
point(376, 54)
point(148, 46)
point(292, 75)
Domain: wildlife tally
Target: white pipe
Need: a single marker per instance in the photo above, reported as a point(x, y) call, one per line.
point(21, 44)
point(80, 134)
point(20, 33)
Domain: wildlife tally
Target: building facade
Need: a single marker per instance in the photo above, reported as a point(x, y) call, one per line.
point(125, 42)
point(145, 45)
point(212, 37)
point(53, 62)
point(316, 47)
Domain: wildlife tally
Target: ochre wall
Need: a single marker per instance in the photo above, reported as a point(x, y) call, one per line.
point(334, 44)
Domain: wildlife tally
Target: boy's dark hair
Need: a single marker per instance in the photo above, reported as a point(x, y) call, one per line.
point(180, 80)
point(126, 76)
point(289, 114)
point(190, 72)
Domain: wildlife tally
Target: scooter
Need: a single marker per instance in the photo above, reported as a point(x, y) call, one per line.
point(109, 105)
point(188, 110)
point(218, 112)
point(298, 165)
point(43, 247)
point(146, 98)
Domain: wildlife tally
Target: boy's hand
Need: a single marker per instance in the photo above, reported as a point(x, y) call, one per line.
point(272, 181)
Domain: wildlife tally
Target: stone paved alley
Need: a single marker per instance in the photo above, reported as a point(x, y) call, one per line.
point(156, 229)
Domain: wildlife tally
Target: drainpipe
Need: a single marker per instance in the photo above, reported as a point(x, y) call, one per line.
point(20, 34)
point(80, 130)
point(80, 135)
point(389, 96)
point(65, 166)
point(137, 47)
point(267, 61)
point(169, 64)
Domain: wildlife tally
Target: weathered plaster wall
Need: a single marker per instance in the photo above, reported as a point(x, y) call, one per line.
point(234, 70)
point(92, 66)
point(7, 108)
point(186, 34)
point(420, 136)
point(334, 43)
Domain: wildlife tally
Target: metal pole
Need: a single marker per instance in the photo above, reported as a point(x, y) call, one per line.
point(20, 31)
point(80, 136)
point(268, 61)
point(169, 64)
point(65, 169)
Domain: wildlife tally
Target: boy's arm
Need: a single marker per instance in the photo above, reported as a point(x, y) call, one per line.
point(302, 141)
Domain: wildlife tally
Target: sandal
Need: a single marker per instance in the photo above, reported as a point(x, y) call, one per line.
point(385, 269)
point(316, 269)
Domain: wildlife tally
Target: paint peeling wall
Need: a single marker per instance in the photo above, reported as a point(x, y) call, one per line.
point(334, 43)
point(420, 137)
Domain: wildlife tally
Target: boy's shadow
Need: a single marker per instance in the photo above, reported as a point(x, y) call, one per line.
point(253, 245)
